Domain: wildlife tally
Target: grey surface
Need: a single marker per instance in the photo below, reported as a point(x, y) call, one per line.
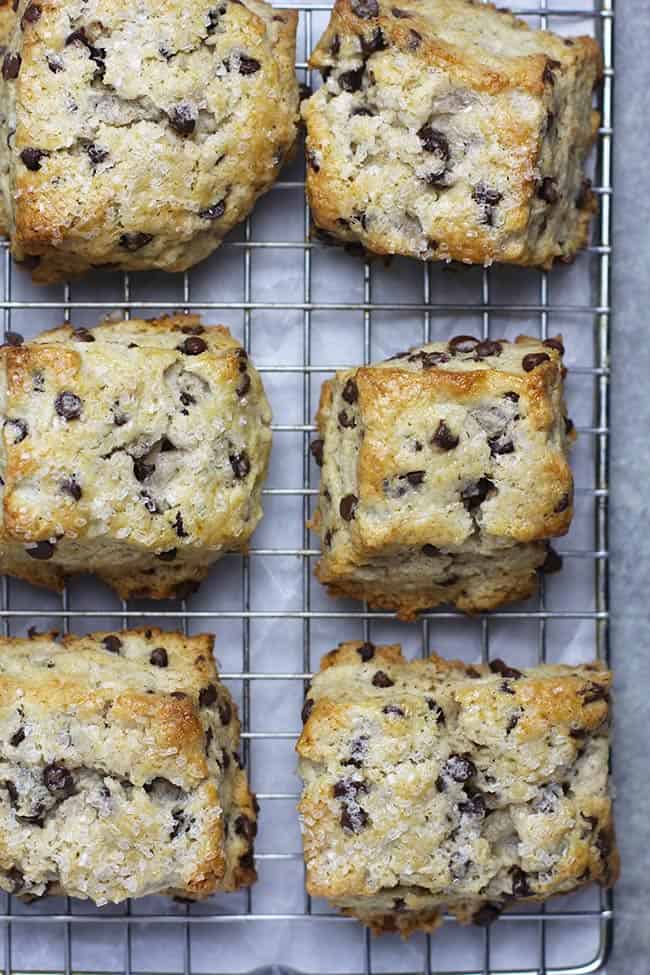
point(630, 453)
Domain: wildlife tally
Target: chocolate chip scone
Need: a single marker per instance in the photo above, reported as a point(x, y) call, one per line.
point(119, 770)
point(432, 785)
point(136, 451)
point(444, 474)
point(447, 129)
point(137, 138)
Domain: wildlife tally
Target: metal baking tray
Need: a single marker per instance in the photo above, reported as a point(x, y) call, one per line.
point(303, 310)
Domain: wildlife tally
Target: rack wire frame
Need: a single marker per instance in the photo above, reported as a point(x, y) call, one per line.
point(598, 308)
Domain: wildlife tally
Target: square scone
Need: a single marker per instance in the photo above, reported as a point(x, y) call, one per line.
point(432, 786)
point(450, 130)
point(136, 450)
point(136, 138)
point(120, 774)
point(444, 474)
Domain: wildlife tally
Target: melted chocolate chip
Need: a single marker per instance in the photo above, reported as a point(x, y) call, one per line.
point(159, 658)
point(193, 345)
point(307, 709)
point(474, 494)
point(552, 562)
point(414, 41)
point(430, 551)
point(58, 779)
point(547, 190)
point(459, 768)
point(41, 551)
point(549, 67)
point(182, 118)
point(414, 478)
point(520, 885)
point(135, 241)
point(554, 343)
point(350, 392)
point(207, 695)
point(168, 555)
point(346, 422)
point(179, 527)
point(11, 66)
point(311, 160)
point(513, 397)
point(13, 338)
point(381, 679)
point(562, 504)
point(497, 666)
point(374, 42)
point(513, 721)
point(394, 709)
point(488, 347)
point(487, 198)
point(82, 335)
point(240, 464)
point(68, 405)
point(486, 915)
point(354, 819)
point(594, 692)
point(32, 14)
point(430, 360)
point(245, 827)
point(444, 438)
point(474, 806)
point(112, 643)
point(433, 140)
point(248, 66)
point(214, 212)
point(462, 344)
point(348, 507)
point(436, 709)
point(71, 487)
point(358, 749)
point(351, 81)
point(243, 386)
point(150, 503)
point(31, 158)
point(97, 155)
point(20, 428)
point(366, 651)
point(349, 789)
point(54, 63)
point(224, 707)
point(585, 196)
point(534, 359)
point(17, 737)
point(365, 9)
point(316, 447)
point(499, 446)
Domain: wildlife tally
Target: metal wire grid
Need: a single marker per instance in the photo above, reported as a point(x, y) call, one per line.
point(596, 308)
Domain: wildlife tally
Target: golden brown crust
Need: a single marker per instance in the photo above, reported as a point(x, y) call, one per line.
point(432, 784)
point(120, 757)
point(444, 475)
point(156, 471)
point(508, 112)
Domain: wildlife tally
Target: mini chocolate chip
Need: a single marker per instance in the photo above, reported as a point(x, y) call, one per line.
point(578, 733)
point(142, 470)
point(348, 506)
point(497, 666)
point(346, 422)
point(362, 110)
point(393, 709)
point(224, 708)
point(366, 651)
point(499, 446)
point(353, 820)
point(166, 445)
point(365, 9)
point(584, 197)
point(375, 42)
point(547, 190)
point(316, 447)
point(112, 643)
point(552, 562)
point(351, 81)
point(31, 158)
point(247, 861)
point(82, 335)
point(213, 212)
point(158, 657)
point(57, 778)
point(433, 140)
point(193, 345)
point(54, 63)
point(441, 785)
point(17, 737)
point(487, 348)
point(135, 241)
point(11, 66)
point(513, 721)
point(381, 679)
point(444, 438)
point(520, 885)
point(13, 338)
point(240, 464)
point(414, 478)
point(604, 844)
point(182, 118)
point(187, 399)
point(534, 359)
point(307, 709)
point(437, 710)
point(179, 527)
point(32, 14)
point(248, 66)
point(72, 487)
point(554, 343)
point(513, 397)
point(350, 392)
point(486, 915)
point(179, 822)
point(562, 504)
point(459, 768)
point(474, 494)
point(549, 67)
point(168, 555)
point(474, 806)
point(348, 789)
point(97, 155)
point(485, 195)
point(461, 344)
point(430, 360)
point(245, 827)
point(430, 551)
point(594, 692)
point(244, 385)
point(505, 688)
point(207, 695)
point(42, 551)
point(20, 428)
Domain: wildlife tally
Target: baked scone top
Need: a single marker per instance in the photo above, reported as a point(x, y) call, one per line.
point(458, 781)
point(428, 447)
point(151, 432)
point(446, 129)
point(142, 134)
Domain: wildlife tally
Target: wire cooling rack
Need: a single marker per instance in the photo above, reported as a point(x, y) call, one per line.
point(304, 310)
